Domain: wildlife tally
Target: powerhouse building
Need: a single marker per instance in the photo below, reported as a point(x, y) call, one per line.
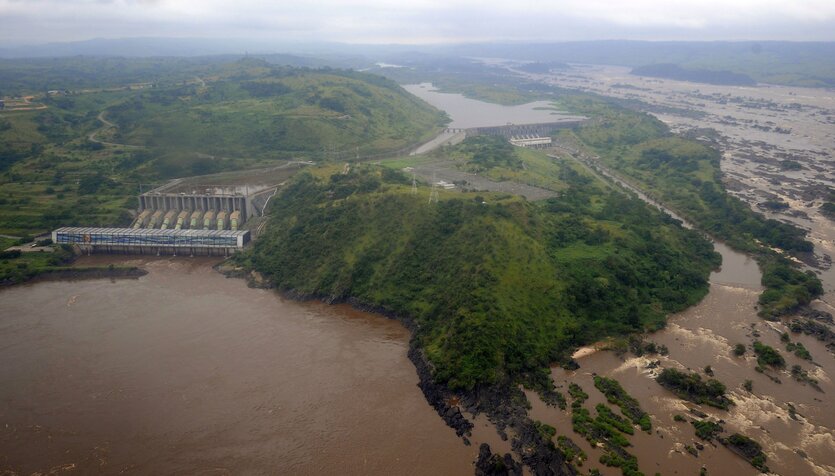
point(144, 240)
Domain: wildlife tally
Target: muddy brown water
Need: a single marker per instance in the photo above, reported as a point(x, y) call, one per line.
point(186, 372)
point(705, 335)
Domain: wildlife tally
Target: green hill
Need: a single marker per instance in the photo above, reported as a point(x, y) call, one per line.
point(496, 286)
point(257, 110)
point(685, 175)
point(195, 117)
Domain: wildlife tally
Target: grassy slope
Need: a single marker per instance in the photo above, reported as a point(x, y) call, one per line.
point(45, 155)
point(496, 289)
point(268, 112)
point(44, 158)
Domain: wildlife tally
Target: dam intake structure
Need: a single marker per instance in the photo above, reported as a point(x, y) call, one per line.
point(200, 215)
point(216, 208)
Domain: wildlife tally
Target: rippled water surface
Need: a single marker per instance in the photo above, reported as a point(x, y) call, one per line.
point(185, 371)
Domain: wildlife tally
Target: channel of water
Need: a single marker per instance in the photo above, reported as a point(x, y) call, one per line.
point(184, 371)
point(697, 337)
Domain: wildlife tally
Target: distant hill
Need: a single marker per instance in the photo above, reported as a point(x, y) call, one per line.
point(35, 75)
point(63, 163)
point(776, 62)
point(250, 108)
point(671, 71)
point(145, 47)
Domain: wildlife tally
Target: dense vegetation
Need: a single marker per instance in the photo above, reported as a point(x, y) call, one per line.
point(827, 208)
point(767, 355)
point(16, 267)
point(496, 289)
point(616, 395)
point(486, 152)
point(606, 430)
point(254, 109)
point(748, 449)
point(685, 176)
point(692, 387)
point(177, 118)
point(707, 430)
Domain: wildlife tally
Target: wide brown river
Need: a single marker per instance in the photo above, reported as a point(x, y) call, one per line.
point(704, 335)
point(184, 371)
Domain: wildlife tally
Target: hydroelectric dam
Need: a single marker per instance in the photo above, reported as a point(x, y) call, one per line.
point(206, 215)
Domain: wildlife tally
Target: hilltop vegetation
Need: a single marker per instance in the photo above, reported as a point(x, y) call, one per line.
point(60, 165)
point(681, 173)
point(496, 286)
point(685, 175)
point(277, 112)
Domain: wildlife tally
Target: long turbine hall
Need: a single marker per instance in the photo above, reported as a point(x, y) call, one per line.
point(146, 241)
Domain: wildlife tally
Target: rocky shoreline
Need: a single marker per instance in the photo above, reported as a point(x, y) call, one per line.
point(504, 404)
point(70, 274)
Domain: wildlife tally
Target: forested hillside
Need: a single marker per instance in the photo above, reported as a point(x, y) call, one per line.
point(78, 156)
point(257, 110)
point(496, 286)
point(685, 175)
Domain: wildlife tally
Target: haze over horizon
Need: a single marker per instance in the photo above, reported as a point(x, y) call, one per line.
point(33, 22)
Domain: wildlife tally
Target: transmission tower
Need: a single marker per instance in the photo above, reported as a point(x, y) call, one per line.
point(414, 185)
point(433, 196)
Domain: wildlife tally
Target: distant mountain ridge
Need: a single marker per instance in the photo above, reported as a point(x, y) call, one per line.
point(777, 62)
point(141, 47)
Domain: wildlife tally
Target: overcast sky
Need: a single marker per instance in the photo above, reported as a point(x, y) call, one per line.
point(417, 21)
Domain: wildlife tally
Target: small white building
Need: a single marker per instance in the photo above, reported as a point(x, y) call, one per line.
point(532, 142)
point(445, 185)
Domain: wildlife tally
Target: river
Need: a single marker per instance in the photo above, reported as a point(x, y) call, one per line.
point(705, 335)
point(699, 336)
point(184, 371)
point(466, 113)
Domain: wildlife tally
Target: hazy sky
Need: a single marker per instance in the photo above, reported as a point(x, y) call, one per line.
point(417, 21)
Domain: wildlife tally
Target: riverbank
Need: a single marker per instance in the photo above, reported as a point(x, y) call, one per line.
point(302, 388)
point(73, 273)
point(503, 403)
point(52, 262)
